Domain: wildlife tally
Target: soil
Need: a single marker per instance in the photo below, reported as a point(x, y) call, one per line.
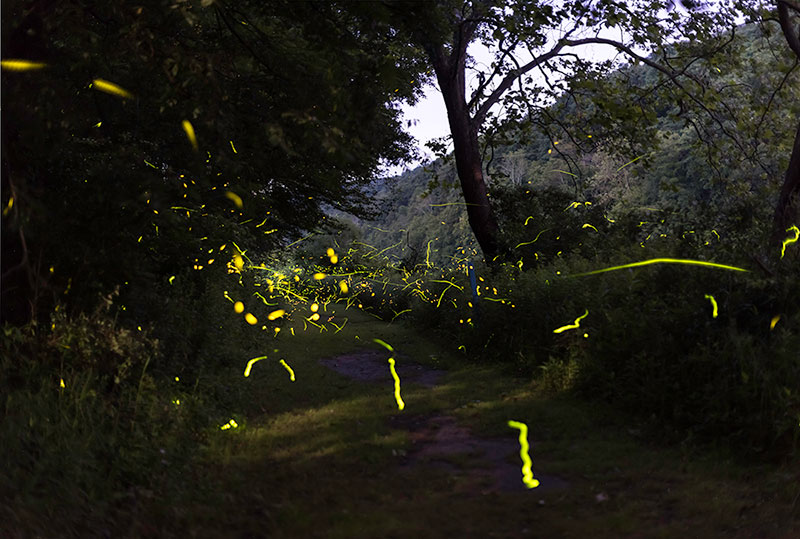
point(481, 464)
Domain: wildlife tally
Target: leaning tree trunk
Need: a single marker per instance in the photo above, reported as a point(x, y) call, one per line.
point(466, 151)
point(787, 212)
point(788, 209)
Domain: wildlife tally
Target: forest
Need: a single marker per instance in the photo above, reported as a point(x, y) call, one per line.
point(221, 316)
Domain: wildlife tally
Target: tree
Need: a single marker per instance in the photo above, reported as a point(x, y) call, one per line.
point(787, 211)
point(549, 37)
point(292, 108)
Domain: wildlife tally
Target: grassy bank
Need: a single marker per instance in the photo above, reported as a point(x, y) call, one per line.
point(322, 457)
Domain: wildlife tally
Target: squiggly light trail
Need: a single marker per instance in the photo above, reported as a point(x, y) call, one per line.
point(575, 325)
point(527, 474)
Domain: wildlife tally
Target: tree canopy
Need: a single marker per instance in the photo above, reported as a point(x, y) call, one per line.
point(142, 136)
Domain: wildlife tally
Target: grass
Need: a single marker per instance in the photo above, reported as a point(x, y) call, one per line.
point(321, 457)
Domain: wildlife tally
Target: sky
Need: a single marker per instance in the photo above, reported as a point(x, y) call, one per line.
point(429, 117)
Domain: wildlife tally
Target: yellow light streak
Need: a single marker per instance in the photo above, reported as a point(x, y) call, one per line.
point(189, 129)
point(236, 199)
point(288, 368)
point(774, 321)
point(527, 474)
point(111, 88)
point(661, 261)
point(21, 65)
point(575, 325)
point(533, 240)
point(713, 305)
point(276, 314)
point(787, 241)
point(250, 364)
point(233, 147)
point(587, 225)
point(384, 344)
point(629, 163)
point(9, 206)
point(400, 403)
point(232, 424)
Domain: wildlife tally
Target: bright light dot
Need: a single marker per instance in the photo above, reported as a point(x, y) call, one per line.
point(315, 317)
point(252, 320)
point(343, 286)
point(238, 307)
point(314, 307)
point(319, 276)
point(330, 251)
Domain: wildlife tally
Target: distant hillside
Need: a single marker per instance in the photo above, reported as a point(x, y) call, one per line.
point(678, 177)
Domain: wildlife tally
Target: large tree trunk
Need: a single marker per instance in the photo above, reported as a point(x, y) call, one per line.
point(787, 212)
point(469, 166)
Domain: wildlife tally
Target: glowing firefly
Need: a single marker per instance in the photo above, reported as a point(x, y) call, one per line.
point(276, 314)
point(774, 321)
point(250, 365)
point(238, 307)
point(21, 65)
point(288, 368)
point(787, 241)
point(187, 126)
point(577, 323)
point(527, 474)
point(232, 424)
point(713, 305)
point(252, 320)
point(111, 88)
point(235, 198)
point(661, 261)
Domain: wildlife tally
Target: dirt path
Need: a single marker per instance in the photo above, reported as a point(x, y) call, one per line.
point(484, 464)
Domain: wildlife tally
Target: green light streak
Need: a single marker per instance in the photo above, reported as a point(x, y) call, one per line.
point(454, 204)
point(713, 305)
point(288, 368)
point(564, 172)
point(629, 163)
point(400, 403)
point(401, 312)
point(265, 300)
point(250, 365)
point(660, 261)
point(787, 241)
point(339, 328)
point(533, 240)
point(384, 344)
point(527, 474)
point(576, 325)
